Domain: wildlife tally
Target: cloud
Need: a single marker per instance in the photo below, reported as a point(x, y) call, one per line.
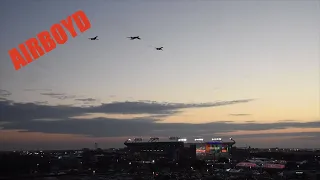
point(60, 96)
point(86, 100)
point(286, 121)
point(3, 122)
point(4, 93)
point(63, 96)
point(223, 121)
point(15, 112)
point(105, 127)
point(37, 89)
point(275, 132)
point(48, 119)
point(239, 114)
point(124, 119)
point(89, 116)
point(41, 102)
point(308, 135)
point(153, 107)
point(22, 116)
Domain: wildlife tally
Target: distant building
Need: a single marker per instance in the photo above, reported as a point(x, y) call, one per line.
point(179, 149)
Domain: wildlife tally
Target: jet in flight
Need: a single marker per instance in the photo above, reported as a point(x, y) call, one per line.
point(159, 49)
point(94, 38)
point(134, 37)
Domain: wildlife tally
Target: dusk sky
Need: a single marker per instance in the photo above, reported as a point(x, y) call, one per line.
point(243, 69)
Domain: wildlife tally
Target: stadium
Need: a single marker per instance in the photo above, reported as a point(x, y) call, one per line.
point(178, 148)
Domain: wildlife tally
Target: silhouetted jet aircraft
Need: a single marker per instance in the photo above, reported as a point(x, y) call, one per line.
point(134, 37)
point(94, 38)
point(159, 49)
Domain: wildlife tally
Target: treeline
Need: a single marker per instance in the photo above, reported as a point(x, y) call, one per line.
point(12, 164)
point(16, 164)
point(288, 156)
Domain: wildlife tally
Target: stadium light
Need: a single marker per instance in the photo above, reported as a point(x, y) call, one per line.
point(183, 140)
point(199, 139)
point(216, 139)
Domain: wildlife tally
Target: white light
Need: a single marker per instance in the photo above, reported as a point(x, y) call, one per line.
point(183, 140)
point(216, 139)
point(200, 139)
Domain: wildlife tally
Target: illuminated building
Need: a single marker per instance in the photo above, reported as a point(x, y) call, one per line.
point(176, 148)
point(214, 149)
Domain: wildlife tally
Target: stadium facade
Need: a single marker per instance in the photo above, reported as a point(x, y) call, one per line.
point(176, 148)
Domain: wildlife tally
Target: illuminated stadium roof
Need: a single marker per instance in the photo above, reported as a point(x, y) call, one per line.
point(178, 139)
